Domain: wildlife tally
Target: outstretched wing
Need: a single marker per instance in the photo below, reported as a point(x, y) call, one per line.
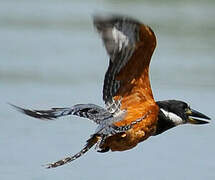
point(130, 45)
point(90, 111)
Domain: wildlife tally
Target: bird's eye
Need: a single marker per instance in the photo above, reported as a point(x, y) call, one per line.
point(184, 106)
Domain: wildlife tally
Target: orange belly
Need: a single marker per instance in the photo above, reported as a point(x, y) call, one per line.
point(140, 132)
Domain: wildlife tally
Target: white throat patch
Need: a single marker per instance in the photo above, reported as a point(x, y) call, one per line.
point(173, 117)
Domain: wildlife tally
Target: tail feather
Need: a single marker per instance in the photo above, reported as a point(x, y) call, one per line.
point(90, 143)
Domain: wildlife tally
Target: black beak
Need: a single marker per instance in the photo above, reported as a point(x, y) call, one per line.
point(193, 114)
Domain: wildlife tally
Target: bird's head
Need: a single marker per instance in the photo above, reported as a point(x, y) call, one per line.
point(174, 112)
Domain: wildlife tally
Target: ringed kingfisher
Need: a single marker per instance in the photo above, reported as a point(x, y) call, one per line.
point(131, 114)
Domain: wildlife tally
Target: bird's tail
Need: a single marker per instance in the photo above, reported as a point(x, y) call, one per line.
point(90, 143)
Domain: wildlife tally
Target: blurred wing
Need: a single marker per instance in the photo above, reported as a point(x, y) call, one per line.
point(90, 111)
point(130, 46)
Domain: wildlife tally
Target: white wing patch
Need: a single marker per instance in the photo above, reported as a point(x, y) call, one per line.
point(173, 117)
point(120, 38)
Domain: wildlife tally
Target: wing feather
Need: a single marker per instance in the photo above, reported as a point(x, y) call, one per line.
point(129, 45)
point(90, 111)
point(119, 38)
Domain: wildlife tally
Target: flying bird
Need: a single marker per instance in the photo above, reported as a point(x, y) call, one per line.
point(131, 114)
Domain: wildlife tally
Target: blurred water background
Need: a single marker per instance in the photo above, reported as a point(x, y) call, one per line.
point(50, 56)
